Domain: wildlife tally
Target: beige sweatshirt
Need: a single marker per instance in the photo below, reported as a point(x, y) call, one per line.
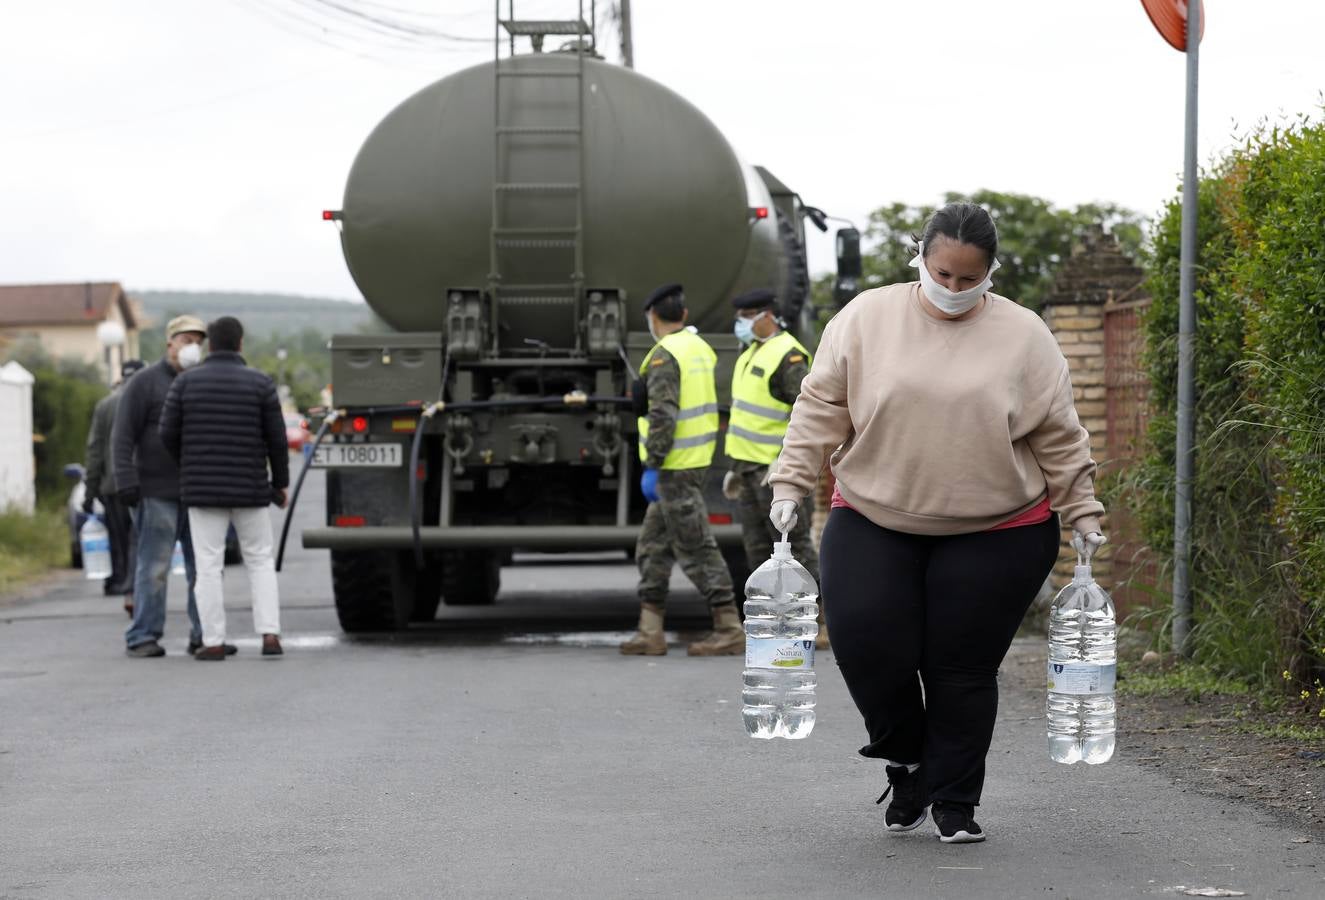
point(940, 427)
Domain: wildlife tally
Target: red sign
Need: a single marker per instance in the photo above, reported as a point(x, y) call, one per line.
point(1170, 19)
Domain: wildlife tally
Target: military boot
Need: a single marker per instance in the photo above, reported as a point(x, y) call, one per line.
point(649, 640)
point(821, 639)
point(727, 638)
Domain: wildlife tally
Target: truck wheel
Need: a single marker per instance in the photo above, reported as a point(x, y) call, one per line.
point(374, 589)
point(427, 589)
point(471, 577)
point(796, 295)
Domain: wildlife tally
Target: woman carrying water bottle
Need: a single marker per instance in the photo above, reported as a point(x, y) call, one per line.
point(956, 447)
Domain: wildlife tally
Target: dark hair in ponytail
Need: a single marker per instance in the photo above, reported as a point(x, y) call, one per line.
point(965, 223)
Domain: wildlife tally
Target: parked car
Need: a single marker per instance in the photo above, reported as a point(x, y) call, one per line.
point(76, 516)
point(296, 431)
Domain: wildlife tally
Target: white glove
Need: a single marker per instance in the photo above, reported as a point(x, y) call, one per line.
point(731, 488)
point(783, 515)
point(1086, 543)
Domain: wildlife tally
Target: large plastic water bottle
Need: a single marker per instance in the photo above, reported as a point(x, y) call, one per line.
point(94, 541)
point(781, 613)
point(177, 560)
point(1082, 667)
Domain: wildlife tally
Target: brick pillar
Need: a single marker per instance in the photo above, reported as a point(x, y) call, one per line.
point(1096, 273)
point(1079, 328)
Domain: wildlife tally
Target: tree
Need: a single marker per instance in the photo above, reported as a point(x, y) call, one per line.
point(1033, 236)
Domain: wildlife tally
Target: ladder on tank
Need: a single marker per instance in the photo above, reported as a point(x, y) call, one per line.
point(508, 236)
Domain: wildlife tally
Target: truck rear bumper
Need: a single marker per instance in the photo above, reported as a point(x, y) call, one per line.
point(536, 537)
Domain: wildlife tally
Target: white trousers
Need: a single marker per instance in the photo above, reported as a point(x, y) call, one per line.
point(208, 526)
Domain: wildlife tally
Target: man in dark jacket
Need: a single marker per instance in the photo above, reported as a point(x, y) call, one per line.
point(147, 481)
point(99, 484)
point(222, 422)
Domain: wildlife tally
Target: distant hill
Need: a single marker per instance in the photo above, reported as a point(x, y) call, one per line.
point(267, 315)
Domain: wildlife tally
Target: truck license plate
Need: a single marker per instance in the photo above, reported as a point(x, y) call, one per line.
point(345, 455)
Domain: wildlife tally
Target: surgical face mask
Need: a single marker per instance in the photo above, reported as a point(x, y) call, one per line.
point(744, 330)
point(952, 303)
point(190, 355)
point(648, 320)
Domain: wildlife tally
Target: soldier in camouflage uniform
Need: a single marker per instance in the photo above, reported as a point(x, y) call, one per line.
point(678, 436)
point(765, 384)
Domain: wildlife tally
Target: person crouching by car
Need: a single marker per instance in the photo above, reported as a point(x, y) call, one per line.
point(222, 422)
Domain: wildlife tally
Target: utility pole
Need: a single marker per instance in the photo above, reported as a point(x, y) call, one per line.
point(627, 47)
point(1182, 512)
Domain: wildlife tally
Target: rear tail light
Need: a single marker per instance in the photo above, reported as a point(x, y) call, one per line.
point(348, 521)
point(359, 424)
point(719, 519)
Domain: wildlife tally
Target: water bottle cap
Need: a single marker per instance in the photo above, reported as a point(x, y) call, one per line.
point(1081, 575)
point(782, 550)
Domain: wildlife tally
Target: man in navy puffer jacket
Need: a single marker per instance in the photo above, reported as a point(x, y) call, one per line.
point(222, 421)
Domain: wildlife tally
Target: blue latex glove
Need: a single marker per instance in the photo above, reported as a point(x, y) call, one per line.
point(648, 485)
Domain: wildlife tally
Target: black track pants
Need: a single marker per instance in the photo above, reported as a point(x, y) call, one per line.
point(909, 610)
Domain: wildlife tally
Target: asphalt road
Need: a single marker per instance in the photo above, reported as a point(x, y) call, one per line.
point(511, 752)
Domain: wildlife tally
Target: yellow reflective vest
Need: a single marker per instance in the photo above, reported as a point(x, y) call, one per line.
point(759, 420)
point(696, 434)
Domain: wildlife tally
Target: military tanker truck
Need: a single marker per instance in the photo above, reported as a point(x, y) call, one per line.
point(507, 222)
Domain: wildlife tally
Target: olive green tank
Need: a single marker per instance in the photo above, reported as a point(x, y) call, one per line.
point(664, 198)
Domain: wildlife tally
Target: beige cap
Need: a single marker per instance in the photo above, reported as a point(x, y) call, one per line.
point(181, 324)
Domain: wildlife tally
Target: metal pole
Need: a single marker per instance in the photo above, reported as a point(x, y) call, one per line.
point(1182, 511)
point(627, 46)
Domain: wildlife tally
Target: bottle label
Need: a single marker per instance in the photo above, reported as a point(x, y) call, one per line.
point(96, 545)
point(771, 653)
point(1081, 677)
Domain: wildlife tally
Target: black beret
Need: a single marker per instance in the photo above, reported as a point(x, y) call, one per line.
point(759, 298)
point(662, 293)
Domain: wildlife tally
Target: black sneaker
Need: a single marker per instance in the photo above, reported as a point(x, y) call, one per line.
point(956, 823)
point(145, 650)
point(907, 810)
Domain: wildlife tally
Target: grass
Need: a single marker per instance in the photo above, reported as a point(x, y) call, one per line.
point(1191, 681)
point(31, 545)
point(1260, 710)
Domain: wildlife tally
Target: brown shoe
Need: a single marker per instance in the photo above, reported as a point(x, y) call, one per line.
point(128, 605)
point(210, 654)
point(271, 645)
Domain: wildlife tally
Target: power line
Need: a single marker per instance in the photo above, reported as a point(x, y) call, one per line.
point(396, 25)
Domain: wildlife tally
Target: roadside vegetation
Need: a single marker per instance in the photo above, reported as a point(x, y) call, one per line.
point(30, 545)
point(1258, 538)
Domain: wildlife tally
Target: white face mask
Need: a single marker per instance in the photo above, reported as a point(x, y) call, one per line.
point(190, 355)
point(648, 319)
point(952, 303)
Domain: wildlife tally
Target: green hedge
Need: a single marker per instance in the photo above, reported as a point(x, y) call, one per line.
point(1258, 562)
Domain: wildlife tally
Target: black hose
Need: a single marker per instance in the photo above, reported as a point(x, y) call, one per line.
point(299, 484)
point(415, 507)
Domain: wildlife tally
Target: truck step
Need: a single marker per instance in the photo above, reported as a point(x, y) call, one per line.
point(538, 129)
point(536, 73)
point(542, 187)
point(526, 27)
point(536, 243)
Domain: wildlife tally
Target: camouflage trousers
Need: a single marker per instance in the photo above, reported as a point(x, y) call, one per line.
point(758, 533)
point(676, 530)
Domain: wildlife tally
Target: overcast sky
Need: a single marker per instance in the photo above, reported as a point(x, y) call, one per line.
point(193, 143)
